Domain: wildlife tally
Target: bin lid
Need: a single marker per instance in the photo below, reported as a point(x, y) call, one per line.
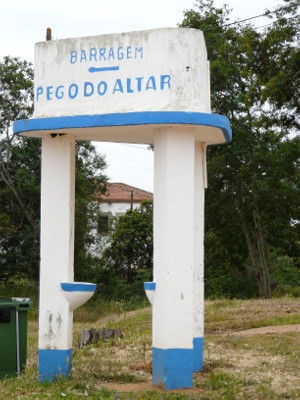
point(19, 303)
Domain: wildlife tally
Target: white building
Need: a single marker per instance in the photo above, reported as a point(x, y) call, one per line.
point(117, 199)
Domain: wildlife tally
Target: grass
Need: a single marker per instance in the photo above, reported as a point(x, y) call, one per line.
point(223, 316)
point(264, 366)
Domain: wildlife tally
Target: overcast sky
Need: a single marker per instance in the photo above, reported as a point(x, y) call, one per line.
point(24, 22)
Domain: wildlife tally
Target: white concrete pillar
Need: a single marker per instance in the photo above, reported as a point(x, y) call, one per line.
point(174, 181)
point(198, 313)
point(57, 252)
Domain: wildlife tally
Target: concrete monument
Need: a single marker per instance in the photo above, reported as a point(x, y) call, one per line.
point(139, 87)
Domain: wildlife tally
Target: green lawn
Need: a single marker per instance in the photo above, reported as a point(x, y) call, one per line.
point(264, 366)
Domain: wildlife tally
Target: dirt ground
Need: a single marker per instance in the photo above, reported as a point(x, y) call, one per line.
point(268, 330)
point(147, 386)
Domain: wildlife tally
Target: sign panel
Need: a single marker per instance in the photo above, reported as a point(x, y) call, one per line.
point(157, 70)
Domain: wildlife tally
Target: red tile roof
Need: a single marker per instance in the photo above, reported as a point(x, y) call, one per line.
point(120, 192)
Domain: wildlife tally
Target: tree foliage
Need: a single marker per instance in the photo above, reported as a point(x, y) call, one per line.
point(20, 162)
point(19, 173)
point(89, 179)
point(128, 261)
point(252, 201)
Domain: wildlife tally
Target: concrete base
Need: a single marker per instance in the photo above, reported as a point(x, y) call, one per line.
point(54, 364)
point(198, 354)
point(172, 368)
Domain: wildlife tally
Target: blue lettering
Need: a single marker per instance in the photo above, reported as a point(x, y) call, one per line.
point(118, 86)
point(49, 92)
point(111, 54)
point(130, 52)
point(73, 57)
point(129, 90)
point(139, 83)
point(151, 83)
point(39, 92)
point(83, 56)
point(139, 51)
point(93, 54)
point(59, 94)
point(103, 90)
point(88, 89)
point(75, 91)
point(165, 80)
point(102, 53)
point(120, 53)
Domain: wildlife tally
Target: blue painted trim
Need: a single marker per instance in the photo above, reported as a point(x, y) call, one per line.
point(149, 285)
point(101, 69)
point(77, 287)
point(198, 354)
point(53, 364)
point(172, 368)
point(125, 119)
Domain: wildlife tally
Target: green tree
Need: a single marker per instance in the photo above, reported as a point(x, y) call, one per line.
point(19, 173)
point(16, 102)
point(251, 202)
point(89, 179)
point(20, 162)
point(128, 261)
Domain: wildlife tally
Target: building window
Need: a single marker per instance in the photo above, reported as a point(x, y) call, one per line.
point(103, 223)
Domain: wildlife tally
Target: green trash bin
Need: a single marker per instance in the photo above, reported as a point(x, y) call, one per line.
point(13, 335)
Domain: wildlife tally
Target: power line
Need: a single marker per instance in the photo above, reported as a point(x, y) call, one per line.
point(263, 15)
point(248, 19)
point(264, 26)
point(267, 13)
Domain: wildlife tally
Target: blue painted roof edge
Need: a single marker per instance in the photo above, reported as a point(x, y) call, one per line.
point(125, 119)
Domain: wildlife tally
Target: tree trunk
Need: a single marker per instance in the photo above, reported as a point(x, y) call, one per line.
point(262, 256)
point(256, 248)
point(9, 182)
point(7, 179)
